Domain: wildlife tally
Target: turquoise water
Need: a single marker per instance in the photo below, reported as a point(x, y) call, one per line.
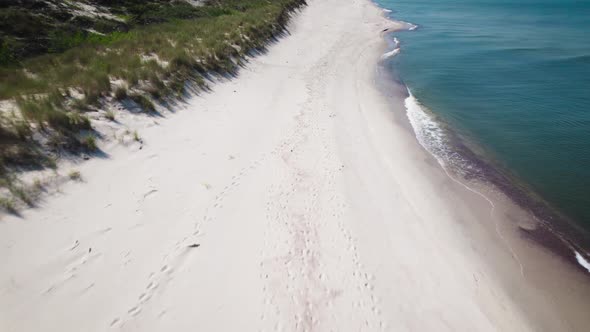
point(514, 78)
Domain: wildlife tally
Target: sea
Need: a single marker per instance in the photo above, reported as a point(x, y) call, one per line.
point(501, 89)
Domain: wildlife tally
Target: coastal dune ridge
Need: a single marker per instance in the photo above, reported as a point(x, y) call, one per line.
point(301, 195)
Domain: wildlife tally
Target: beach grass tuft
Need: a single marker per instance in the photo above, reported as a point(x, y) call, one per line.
point(143, 102)
point(75, 175)
point(110, 115)
point(7, 204)
point(89, 143)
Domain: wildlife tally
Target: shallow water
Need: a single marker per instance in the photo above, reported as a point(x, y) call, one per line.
point(513, 78)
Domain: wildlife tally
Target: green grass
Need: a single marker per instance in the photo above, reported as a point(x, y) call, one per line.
point(190, 46)
point(33, 27)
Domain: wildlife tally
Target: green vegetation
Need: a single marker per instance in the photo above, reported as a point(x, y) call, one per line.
point(23, 194)
point(143, 102)
point(7, 204)
point(89, 143)
point(121, 93)
point(55, 68)
point(34, 27)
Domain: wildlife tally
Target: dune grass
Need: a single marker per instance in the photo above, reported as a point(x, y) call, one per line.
point(155, 62)
point(203, 44)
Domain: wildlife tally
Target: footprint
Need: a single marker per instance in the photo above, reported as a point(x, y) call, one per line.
point(115, 321)
point(152, 286)
point(134, 311)
point(75, 245)
point(149, 193)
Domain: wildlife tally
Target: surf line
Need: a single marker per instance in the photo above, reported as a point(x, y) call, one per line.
point(412, 100)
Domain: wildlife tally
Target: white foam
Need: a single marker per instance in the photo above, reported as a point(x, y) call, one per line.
point(390, 54)
point(582, 261)
point(386, 10)
point(428, 132)
point(410, 26)
point(433, 137)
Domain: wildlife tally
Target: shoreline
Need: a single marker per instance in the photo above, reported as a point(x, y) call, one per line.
point(293, 197)
point(530, 219)
point(552, 228)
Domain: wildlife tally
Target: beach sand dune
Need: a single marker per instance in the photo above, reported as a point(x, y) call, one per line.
point(289, 199)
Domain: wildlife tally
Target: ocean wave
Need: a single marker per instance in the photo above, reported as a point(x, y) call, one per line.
point(454, 158)
point(409, 26)
point(393, 52)
point(564, 60)
point(390, 54)
point(428, 132)
point(582, 261)
point(437, 140)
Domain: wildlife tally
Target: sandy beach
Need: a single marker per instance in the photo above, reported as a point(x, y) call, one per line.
point(294, 197)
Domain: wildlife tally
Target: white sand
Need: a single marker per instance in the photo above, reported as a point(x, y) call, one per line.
point(313, 208)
